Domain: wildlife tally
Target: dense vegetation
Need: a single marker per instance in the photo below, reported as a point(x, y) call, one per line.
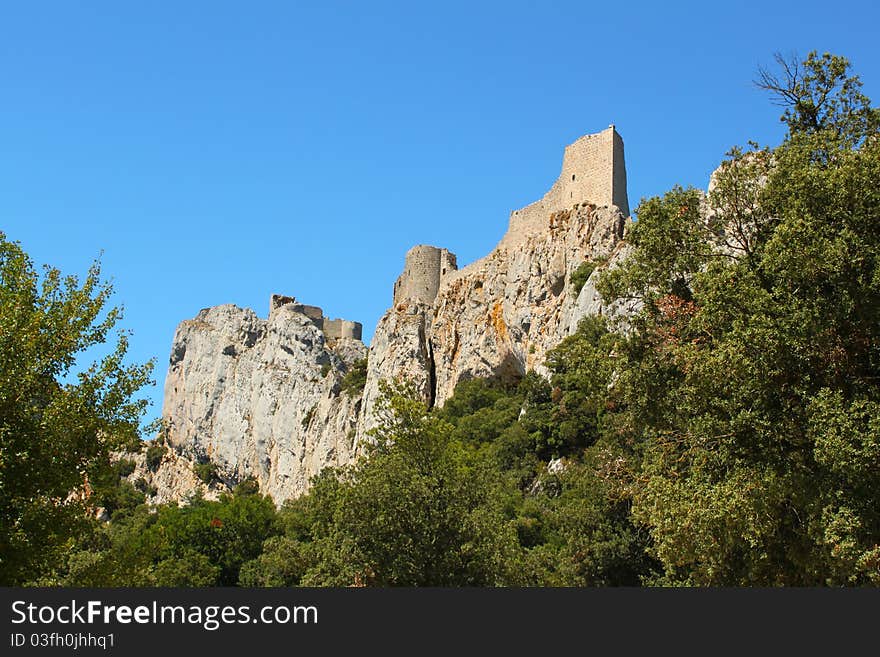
point(727, 434)
point(60, 417)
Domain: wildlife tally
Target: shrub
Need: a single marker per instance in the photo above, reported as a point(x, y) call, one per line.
point(356, 378)
point(124, 467)
point(155, 452)
point(580, 275)
point(206, 472)
point(145, 487)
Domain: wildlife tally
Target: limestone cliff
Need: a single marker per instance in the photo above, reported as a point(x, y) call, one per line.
point(260, 398)
point(263, 398)
point(500, 315)
point(173, 479)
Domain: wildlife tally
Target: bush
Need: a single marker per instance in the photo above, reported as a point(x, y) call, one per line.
point(124, 467)
point(206, 472)
point(580, 275)
point(155, 452)
point(145, 487)
point(356, 378)
point(247, 486)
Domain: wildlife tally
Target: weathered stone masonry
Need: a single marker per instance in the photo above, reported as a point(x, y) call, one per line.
point(593, 170)
point(333, 329)
point(424, 269)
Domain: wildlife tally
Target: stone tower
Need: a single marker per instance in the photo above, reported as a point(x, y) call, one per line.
point(424, 269)
point(593, 171)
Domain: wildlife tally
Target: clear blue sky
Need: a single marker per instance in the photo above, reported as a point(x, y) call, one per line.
point(218, 152)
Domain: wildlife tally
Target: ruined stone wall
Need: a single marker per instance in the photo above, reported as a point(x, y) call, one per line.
point(278, 300)
point(424, 268)
point(333, 328)
point(342, 328)
point(593, 171)
point(448, 263)
point(314, 313)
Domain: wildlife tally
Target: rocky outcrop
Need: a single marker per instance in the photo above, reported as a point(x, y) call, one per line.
point(400, 349)
point(172, 480)
point(498, 317)
point(261, 398)
point(589, 301)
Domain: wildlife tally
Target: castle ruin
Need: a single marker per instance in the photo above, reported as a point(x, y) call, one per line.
point(342, 328)
point(333, 329)
point(593, 171)
point(424, 269)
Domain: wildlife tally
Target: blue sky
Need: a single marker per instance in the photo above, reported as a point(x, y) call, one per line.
point(218, 152)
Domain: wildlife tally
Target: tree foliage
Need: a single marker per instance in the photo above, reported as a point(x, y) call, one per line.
point(203, 543)
point(59, 418)
point(356, 378)
point(751, 375)
point(418, 511)
point(819, 95)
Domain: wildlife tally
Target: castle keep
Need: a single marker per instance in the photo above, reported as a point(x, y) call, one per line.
point(593, 171)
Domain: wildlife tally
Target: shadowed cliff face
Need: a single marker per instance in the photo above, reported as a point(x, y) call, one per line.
point(262, 398)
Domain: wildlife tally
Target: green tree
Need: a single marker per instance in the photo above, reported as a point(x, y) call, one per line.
point(419, 511)
point(480, 411)
point(355, 378)
point(282, 562)
point(59, 420)
point(575, 522)
point(750, 377)
point(590, 529)
point(819, 95)
point(205, 543)
point(581, 367)
point(580, 276)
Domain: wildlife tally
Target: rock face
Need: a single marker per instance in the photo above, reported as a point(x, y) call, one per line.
point(263, 398)
point(497, 317)
point(590, 303)
point(500, 315)
point(173, 480)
